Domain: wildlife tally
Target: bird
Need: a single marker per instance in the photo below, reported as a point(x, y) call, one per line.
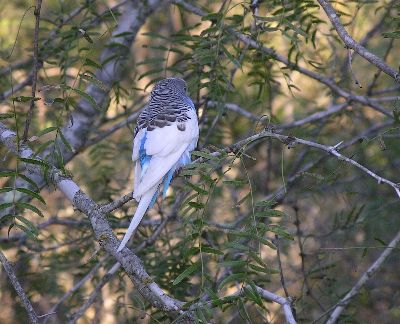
point(166, 133)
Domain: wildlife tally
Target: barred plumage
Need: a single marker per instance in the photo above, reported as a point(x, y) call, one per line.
point(165, 134)
point(168, 103)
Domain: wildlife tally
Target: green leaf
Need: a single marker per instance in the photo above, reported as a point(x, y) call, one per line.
point(231, 58)
point(243, 311)
point(233, 263)
point(35, 161)
point(396, 115)
point(26, 230)
point(29, 180)
point(6, 115)
point(269, 213)
point(233, 277)
point(24, 205)
point(205, 155)
point(25, 99)
point(83, 94)
point(196, 205)
point(215, 16)
point(89, 62)
point(206, 249)
point(90, 77)
point(66, 143)
point(47, 130)
point(32, 194)
point(6, 189)
point(395, 34)
point(206, 177)
point(194, 267)
point(5, 205)
point(7, 174)
point(236, 246)
point(32, 227)
point(380, 241)
point(257, 298)
point(265, 203)
point(198, 189)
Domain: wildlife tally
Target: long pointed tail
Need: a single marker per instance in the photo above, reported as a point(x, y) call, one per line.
point(139, 213)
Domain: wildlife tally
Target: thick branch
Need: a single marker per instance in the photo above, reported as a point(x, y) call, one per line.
point(102, 230)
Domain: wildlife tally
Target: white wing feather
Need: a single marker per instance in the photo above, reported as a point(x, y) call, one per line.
point(166, 146)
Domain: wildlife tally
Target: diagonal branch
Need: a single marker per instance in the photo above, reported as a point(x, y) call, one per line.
point(101, 228)
point(18, 288)
point(357, 47)
point(341, 305)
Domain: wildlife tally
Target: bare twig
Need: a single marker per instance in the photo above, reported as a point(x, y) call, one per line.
point(75, 288)
point(315, 116)
point(114, 128)
point(332, 150)
point(18, 288)
point(378, 73)
point(35, 68)
point(351, 43)
point(278, 252)
point(363, 280)
point(284, 302)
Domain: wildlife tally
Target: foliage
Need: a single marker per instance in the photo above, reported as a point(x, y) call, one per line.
point(235, 207)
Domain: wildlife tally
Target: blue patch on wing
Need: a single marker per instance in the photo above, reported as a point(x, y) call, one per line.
point(143, 157)
point(167, 180)
point(183, 160)
point(153, 200)
point(145, 161)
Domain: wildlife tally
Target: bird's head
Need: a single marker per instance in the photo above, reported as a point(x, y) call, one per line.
point(170, 86)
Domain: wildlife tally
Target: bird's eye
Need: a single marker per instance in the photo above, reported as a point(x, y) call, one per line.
point(184, 89)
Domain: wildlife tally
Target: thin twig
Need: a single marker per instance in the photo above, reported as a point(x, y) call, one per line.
point(35, 68)
point(341, 305)
point(278, 252)
point(75, 288)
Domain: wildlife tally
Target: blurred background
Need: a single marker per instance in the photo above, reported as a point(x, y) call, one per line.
point(228, 215)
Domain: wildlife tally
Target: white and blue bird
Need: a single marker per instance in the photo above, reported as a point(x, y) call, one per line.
point(167, 131)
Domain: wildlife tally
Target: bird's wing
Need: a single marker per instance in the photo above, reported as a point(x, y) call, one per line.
point(165, 146)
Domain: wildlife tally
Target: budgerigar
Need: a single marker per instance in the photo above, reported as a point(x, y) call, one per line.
point(166, 132)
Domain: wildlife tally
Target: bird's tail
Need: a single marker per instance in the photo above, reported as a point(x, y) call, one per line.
point(144, 203)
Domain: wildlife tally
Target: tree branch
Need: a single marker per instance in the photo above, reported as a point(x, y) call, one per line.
point(102, 230)
point(18, 288)
point(341, 305)
point(271, 52)
point(351, 43)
